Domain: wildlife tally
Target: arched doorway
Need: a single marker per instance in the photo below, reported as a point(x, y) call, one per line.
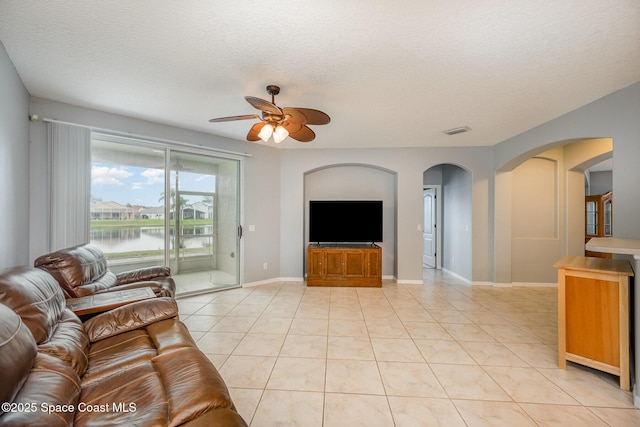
point(451, 188)
point(539, 209)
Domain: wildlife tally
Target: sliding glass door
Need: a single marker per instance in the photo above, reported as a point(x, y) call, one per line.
point(127, 217)
point(154, 205)
point(205, 221)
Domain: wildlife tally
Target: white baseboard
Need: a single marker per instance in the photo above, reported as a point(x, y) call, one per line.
point(487, 284)
point(457, 276)
point(512, 284)
point(274, 280)
point(536, 284)
point(415, 282)
point(409, 282)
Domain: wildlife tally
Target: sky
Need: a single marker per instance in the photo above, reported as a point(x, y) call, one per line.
point(141, 186)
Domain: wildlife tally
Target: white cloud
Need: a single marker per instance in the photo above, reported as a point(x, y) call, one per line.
point(137, 185)
point(108, 176)
point(154, 176)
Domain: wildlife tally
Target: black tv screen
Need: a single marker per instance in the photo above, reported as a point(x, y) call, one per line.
point(345, 221)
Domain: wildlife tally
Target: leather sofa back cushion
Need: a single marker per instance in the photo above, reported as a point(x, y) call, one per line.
point(17, 353)
point(53, 388)
point(76, 266)
point(35, 296)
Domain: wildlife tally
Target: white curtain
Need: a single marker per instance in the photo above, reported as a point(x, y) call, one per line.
point(70, 184)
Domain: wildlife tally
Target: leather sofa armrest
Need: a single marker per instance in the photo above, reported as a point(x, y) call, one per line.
point(130, 317)
point(221, 417)
point(142, 274)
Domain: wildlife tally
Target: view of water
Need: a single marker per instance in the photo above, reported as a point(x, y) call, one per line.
point(114, 239)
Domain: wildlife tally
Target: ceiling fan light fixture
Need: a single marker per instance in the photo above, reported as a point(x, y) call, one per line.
point(280, 134)
point(265, 132)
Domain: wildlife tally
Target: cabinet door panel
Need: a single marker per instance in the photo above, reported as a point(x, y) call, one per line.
point(373, 264)
point(315, 264)
point(334, 263)
point(354, 263)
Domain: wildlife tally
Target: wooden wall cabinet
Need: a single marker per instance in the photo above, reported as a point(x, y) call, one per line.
point(349, 265)
point(593, 314)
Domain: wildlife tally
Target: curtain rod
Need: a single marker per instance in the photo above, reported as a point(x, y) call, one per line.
point(144, 137)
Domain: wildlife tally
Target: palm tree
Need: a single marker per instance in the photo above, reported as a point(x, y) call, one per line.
point(172, 200)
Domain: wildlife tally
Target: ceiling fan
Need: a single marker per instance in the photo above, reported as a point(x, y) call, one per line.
point(279, 122)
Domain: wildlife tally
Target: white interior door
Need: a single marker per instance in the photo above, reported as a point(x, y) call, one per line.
point(429, 228)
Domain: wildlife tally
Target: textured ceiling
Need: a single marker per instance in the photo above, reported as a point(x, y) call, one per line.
point(388, 73)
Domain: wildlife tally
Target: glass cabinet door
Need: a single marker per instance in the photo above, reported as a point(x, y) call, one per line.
point(592, 218)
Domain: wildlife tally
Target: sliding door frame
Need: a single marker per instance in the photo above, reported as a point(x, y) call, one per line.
point(168, 147)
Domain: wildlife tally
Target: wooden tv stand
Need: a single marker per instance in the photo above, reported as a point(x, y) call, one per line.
point(344, 265)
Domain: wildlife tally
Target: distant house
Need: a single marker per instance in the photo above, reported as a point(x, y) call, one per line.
point(152, 212)
point(114, 211)
point(197, 210)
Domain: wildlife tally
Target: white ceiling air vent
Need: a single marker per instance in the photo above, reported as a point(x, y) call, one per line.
point(460, 129)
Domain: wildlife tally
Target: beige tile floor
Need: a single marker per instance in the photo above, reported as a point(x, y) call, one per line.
point(203, 281)
point(438, 354)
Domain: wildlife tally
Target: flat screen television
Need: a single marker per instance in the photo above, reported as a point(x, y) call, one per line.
point(345, 221)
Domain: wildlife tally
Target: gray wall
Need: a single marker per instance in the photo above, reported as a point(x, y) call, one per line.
point(356, 182)
point(457, 217)
point(600, 182)
point(261, 179)
point(409, 165)
point(14, 166)
point(614, 116)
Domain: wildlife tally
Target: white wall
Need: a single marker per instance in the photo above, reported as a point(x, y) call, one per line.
point(14, 166)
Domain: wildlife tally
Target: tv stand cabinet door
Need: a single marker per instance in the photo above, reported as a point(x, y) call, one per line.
point(354, 264)
point(374, 263)
point(334, 263)
point(315, 263)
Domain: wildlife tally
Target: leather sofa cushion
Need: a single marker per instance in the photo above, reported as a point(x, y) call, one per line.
point(196, 386)
point(17, 353)
point(170, 335)
point(51, 382)
point(77, 266)
point(130, 317)
point(138, 387)
point(36, 297)
point(118, 353)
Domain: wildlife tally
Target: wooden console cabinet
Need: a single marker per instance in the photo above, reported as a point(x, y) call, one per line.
point(593, 314)
point(348, 265)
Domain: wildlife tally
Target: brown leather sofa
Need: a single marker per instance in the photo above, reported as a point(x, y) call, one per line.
point(135, 365)
point(82, 270)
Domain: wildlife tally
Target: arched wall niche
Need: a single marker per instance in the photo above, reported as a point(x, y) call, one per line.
point(356, 181)
point(528, 257)
point(455, 225)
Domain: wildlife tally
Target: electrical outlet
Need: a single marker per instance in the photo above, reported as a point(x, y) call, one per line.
point(265, 266)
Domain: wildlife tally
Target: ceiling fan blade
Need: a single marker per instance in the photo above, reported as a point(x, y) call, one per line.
point(292, 127)
point(254, 131)
point(233, 118)
point(314, 117)
point(294, 115)
point(303, 135)
point(262, 105)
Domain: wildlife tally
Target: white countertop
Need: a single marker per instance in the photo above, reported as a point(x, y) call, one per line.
point(614, 245)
